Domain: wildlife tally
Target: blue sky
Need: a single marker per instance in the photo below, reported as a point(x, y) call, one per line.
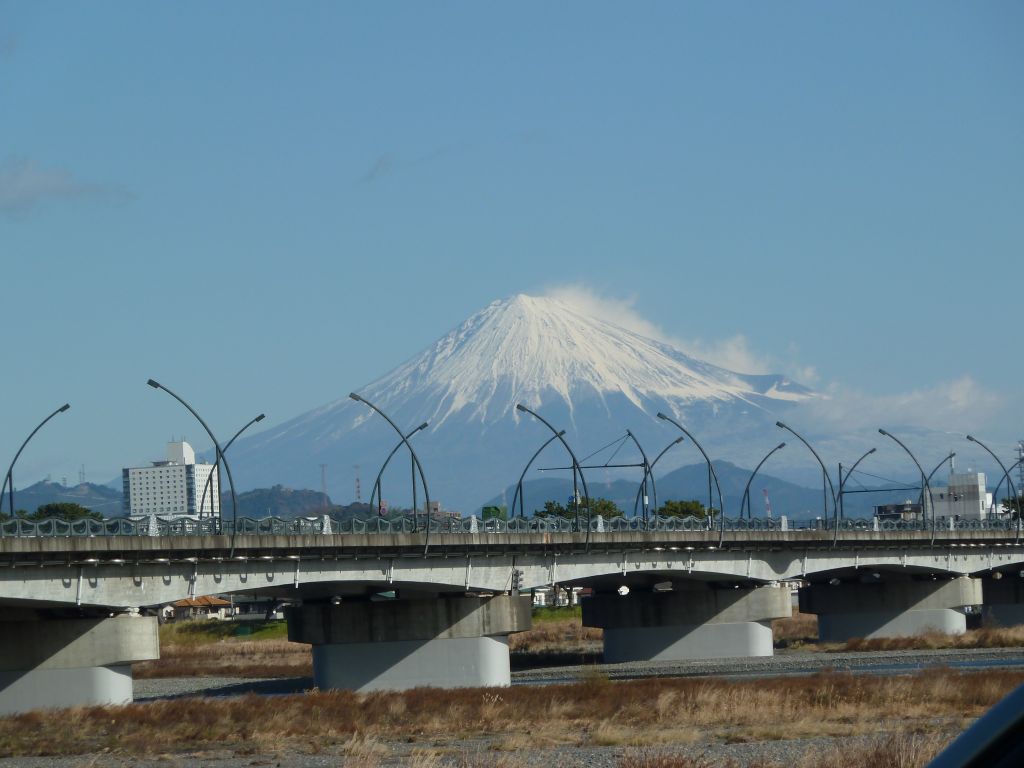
point(266, 206)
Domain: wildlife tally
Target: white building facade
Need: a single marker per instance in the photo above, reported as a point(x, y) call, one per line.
point(964, 497)
point(172, 488)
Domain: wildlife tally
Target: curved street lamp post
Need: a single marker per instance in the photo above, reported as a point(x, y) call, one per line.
point(1006, 474)
point(9, 478)
point(999, 485)
point(831, 489)
point(650, 471)
point(519, 486)
point(376, 490)
point(842, 479)
point(576, 469)
point(415, 459)
point(746, 491)
point(216, 447)
point(925, 487)
point(208, 485)
point(711, 470)
point(643, 481)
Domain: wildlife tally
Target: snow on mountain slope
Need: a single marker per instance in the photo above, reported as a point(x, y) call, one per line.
point(592, 377)
point(525, 349)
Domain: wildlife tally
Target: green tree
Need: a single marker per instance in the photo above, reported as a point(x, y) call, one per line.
point(604, 507)
point(63, 510)
point(551, 509)
point(494, 513)
point(689, 508)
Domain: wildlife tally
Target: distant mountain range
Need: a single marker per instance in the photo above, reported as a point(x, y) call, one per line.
point(99, 498)
point(691, 482)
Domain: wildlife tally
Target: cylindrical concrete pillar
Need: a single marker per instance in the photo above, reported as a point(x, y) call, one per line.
point(446, 642)
point(892, 606)
point(56, 663)
point(693, 621)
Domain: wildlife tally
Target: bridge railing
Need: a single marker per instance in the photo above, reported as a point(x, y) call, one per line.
point(325, 524)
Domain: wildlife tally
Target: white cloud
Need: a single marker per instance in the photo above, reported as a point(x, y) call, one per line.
point(733, 353)
point(24, 184)
point(960, 405)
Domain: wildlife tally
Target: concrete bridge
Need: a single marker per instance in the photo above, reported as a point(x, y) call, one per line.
point(70, 629)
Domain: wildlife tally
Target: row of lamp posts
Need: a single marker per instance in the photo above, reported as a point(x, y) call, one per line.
point(828, 489)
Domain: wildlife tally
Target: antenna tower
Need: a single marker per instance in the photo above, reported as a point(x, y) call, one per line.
point(323, 484)
point(1020, 466)
point(359, 492)
point(81, 474)
point(767, 502)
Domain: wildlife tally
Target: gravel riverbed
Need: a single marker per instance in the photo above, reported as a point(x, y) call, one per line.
point(783, 663)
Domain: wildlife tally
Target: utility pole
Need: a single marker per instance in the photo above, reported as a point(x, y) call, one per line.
point(323, 484)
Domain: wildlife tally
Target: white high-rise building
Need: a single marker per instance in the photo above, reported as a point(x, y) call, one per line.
point(173, 487)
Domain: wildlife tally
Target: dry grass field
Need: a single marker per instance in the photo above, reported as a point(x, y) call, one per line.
point(639, 714)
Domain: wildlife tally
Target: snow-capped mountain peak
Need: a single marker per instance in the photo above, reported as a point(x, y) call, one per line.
point(534, 349)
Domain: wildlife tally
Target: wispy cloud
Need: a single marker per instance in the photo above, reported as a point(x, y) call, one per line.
point(386, 164)
point(960, 405)
point(25, 184)
point(733, 353)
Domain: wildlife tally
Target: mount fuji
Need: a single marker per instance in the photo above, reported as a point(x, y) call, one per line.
point(582, 373)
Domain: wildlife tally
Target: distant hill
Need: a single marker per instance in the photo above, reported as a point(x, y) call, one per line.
point(277, 501)
point(98, 498)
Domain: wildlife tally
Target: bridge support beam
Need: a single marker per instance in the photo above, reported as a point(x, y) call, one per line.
point(693, 621)
point(57, 663)
point(890, 607)
point(446, 642)
point(1004, 599)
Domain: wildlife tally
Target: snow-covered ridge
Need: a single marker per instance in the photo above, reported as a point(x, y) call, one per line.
point(532, 349)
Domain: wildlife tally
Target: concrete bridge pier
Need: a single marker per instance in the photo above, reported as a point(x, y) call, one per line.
point(692, 621)
point(444, 642)
point(1004, 599)
point(50, 663)
point(881, 605)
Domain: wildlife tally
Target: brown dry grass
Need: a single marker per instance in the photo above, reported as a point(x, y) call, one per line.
point(597, 711)
point(986, 637)
point(236, 658)
point(892, 751)
point(798, 629)
point(561, 635)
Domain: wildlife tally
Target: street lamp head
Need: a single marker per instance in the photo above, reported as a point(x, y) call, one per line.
point(424, 425)
point(971, 439)
point(662, 415)
point(883, 432)
point(561, 433)
point(64, 407)
point(153, 384)
point(678, 440)
point(355, 397)
point(872, 451)
point(261, 417)
point(520, 407)
point(780, 424)
point(780, 446)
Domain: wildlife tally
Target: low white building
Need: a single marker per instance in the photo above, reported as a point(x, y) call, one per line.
point(963, 498)
point(173, 487)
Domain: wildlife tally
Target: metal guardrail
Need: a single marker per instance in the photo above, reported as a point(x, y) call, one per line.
point(325, 524)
